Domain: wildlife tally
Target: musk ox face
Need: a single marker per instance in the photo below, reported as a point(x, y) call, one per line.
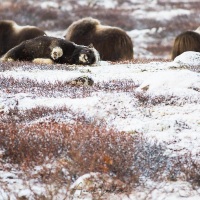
point(85, 55)
point(56, 53)
point(12, 34)
point(51, 50)
point(186, 41)
point(112, 43)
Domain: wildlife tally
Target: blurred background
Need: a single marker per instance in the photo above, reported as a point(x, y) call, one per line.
point(151, 24)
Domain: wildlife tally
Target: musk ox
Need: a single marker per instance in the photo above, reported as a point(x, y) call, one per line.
point(186, 41)
point(45, 49)
point(112, 43)
point(11, 34)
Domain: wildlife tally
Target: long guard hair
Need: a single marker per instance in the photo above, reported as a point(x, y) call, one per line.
point(186, 41)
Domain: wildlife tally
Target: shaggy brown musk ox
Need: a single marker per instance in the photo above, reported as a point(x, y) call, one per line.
point(112, 43)
point(45, 49)
point(11, 34)
point(186, 41)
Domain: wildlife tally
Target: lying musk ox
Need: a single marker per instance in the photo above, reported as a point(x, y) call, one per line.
point(44, 49)
point(11, 34)
point(186, 41)
point(112, 43)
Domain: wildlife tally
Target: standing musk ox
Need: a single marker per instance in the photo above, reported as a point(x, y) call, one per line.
point(186, 41)
point(112, 43)
point(45, 49)
point(11, 34)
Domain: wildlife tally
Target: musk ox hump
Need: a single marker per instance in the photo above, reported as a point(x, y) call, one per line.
point(186, 41)
point(12, 34)
point(82, 27)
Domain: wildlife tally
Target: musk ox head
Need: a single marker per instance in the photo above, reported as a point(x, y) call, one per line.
point(112, 43)
point(85, 55)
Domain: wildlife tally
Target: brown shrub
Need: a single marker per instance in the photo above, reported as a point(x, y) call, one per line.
point(87, 145)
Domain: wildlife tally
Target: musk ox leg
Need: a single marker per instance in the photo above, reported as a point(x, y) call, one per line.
point(43, 61)
point(56, 53)
point(16, 53)
point(6, 59)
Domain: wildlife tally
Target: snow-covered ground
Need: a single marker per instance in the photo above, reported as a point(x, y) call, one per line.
point(175, 121)
point(171, 116)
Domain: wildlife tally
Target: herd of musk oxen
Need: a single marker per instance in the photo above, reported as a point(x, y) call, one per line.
point(86, 42)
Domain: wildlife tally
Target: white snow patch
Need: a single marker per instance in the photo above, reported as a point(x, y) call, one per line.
point(190, 58)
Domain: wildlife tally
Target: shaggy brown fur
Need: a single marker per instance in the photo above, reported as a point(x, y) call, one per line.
point(112, 43)
point(11, 34)
point(186, 41)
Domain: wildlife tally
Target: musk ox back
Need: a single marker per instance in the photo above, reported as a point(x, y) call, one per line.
point(112, 43)
point(11, 34)
point(186, 41)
